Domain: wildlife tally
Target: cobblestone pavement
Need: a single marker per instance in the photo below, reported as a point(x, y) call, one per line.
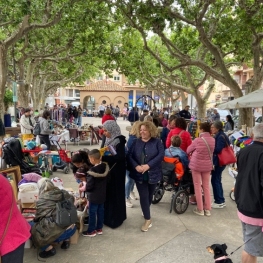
point(173, 238)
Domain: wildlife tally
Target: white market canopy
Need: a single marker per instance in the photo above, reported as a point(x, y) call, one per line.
point(251, 100)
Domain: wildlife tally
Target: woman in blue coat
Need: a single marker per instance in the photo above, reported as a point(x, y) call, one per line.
point(144, 162)
point(221, 141)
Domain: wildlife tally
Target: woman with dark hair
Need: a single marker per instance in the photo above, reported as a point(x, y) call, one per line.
point(180, 130)
point(221, 141)
point(80, 159)
point(229, 126)
point(45, 130)
point(115, 207)
point(202, 149)
point(167, 129)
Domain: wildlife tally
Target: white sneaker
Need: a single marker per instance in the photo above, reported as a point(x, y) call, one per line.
point(215, 205)
point(133, 196)
point(129, 203)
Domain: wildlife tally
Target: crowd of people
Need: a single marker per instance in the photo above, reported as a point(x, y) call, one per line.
point(109, 179)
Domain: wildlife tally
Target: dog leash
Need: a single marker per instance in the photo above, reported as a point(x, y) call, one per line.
point(242, 245)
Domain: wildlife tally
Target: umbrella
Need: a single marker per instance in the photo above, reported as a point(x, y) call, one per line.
point(251, 100)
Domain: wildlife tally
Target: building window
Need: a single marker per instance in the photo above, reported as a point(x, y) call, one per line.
point(116, 78)
point(69, 92)
point(77, 93)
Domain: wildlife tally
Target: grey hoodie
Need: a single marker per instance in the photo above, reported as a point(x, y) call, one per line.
point(44, 126)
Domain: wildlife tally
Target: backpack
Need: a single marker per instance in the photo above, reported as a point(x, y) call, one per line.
point(37, 130)
point(66, 213)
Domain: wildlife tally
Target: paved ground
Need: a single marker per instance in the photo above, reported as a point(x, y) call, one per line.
point(173, 238)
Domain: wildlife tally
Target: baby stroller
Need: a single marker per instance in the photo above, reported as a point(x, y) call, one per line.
point(13, 156)
point(178, 182)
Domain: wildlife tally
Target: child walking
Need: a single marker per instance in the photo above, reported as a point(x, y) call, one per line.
point(96, 192)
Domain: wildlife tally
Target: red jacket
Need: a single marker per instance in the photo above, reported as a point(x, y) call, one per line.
point(18, 231)
point(107, 117)
point(185, 136)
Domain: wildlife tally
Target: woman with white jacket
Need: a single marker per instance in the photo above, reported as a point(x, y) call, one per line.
point(201, 164)
point(27, 122)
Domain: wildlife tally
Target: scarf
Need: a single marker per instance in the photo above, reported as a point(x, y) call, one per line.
point(114, 129)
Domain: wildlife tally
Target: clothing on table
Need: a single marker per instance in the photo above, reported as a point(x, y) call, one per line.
point(185, 136)
point(18, 230)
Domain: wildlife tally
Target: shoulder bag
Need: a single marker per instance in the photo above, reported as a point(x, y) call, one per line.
point(226, 156)
point(210, 154)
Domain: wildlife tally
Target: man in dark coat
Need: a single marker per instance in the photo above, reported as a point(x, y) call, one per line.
point(185, 113)
point(133, 115)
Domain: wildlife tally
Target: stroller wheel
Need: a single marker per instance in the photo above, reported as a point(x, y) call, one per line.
point(54, 169)
point(157, 195)
point(66, 170)
point(232, 195)
point(180, 202)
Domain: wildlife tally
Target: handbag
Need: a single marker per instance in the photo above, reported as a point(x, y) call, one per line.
point(226, 156)
point(66, 213)
point(210, 154)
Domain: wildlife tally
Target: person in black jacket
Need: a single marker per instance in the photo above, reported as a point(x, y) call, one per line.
point(185, 113)
point(96, 193)
point(249, 195)
point(133, 115)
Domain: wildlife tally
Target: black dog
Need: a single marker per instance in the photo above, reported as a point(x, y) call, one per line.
point(219, 252)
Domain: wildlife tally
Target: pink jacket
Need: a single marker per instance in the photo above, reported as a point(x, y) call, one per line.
point(18, 231)
point(200, 160)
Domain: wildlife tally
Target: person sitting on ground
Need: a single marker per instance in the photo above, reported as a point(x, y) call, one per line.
point(44, 229)
point(175, 150)
point(96, 191)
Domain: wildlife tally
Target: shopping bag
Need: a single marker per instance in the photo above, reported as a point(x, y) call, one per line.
point(226, 156)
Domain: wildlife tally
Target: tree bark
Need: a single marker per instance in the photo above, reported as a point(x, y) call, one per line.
point(3, 77)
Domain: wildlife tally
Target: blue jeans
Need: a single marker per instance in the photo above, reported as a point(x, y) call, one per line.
point(79, 121)
point(67, 234)
point(216, 181)
point(129, 186)
point(96, 217)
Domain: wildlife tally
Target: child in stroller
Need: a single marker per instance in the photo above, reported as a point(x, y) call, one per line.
point(177, 178)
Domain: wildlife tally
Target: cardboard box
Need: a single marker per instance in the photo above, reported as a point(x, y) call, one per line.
point(75, 238)
point(28, 197)
point(28, 205)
